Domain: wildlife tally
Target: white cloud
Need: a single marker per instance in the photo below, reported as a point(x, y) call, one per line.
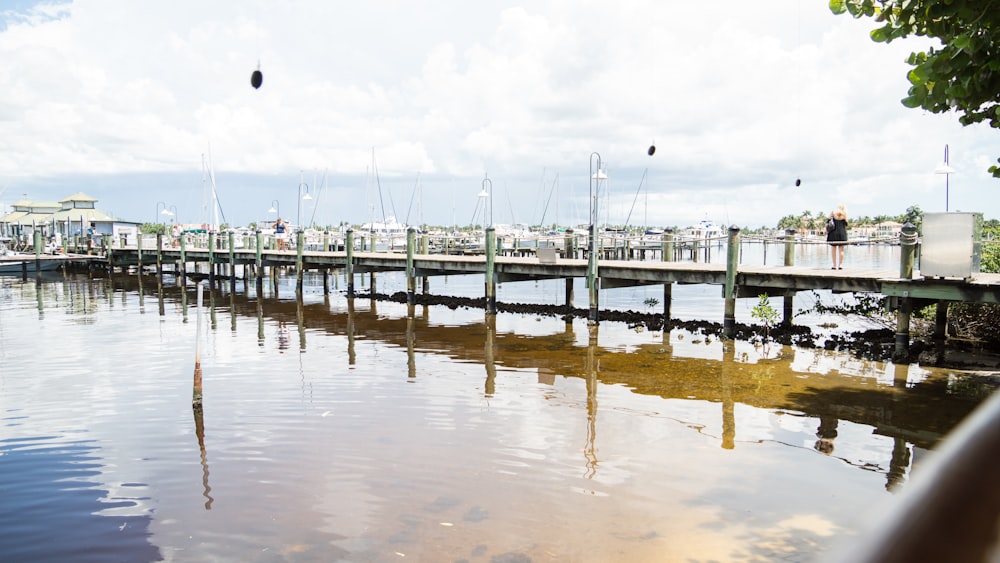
point(739, 99)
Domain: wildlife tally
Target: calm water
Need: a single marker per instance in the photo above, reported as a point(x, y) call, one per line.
point(337, 430)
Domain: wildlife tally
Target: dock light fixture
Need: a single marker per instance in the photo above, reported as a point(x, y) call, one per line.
point(484, 195)
point(596, 175)
point(946, 169)
point(302, 197)
point(275, 207)
point(172, 213)
point(166, 211)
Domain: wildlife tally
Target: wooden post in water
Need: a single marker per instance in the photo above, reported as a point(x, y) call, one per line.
point(138, 253)
point(183, 264)
point(491, 280)
point(593, 281)
point(159, 255)
point(211, 259)
point(667, 255)
point(259, 261)
point(732, 261)
point(326, 241)
point(788, 310)
point(349, 269)
point(300, 240)
point(232, 260)
point(411, 279)
point(196, 394)
point(569, 252)
point(907, 245)
point(37, 240)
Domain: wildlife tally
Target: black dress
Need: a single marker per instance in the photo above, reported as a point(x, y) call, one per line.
point(839, 232)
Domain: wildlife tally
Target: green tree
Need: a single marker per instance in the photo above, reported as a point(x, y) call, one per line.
point(963, 74)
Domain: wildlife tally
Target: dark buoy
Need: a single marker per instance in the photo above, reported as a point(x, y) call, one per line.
point(652, 149)
point(256, 79)
point(798, 182)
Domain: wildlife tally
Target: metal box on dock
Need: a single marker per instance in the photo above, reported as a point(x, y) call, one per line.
point(951, 245)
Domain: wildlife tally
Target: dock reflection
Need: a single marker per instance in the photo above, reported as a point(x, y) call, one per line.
point(831, 389)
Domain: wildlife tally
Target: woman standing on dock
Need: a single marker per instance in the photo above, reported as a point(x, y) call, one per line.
point(279, 233)
point(837, 235)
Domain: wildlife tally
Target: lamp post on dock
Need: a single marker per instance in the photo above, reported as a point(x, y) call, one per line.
point(946, 169)
point(596, 175)
point(275, 208)
point(306, 197)
point(484, 195)
point(165, 211)
point(172, 213)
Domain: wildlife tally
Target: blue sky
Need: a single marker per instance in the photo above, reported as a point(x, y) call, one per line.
point(125, 101)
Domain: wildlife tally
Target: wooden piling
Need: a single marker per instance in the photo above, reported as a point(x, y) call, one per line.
point(788, 310)
point(491, 296)
point(907, 244)
point(667, 255)
point(196, 393)
point(411, 279)
point(593, 281)
point(259, 261)
point(300, 242)
point(729, 292)
point(211, 259)
point(159, 255)
point(349, 269)
point(183, 264)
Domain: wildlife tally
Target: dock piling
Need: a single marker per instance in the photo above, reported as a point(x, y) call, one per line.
point(732, 261)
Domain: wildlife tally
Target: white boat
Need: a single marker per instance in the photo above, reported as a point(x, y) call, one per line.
point(705, 230)
point(16, 263)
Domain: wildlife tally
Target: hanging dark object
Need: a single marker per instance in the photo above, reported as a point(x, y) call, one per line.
point(798, 182)
point(652, 149)
point(256, 79)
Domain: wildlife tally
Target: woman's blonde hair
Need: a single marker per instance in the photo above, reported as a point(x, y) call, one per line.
point(840, 212)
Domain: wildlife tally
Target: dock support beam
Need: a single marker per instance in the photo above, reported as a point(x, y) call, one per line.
point(907, 244)
point(349, 267)
point(260, 262)
point(732, 260)
point(183, 264)
point(788, 312)
point(411, 278)
point(491, 280)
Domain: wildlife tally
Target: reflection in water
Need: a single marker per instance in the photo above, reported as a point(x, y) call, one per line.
point(359, 475)
point(199, 430)
point(592, 367)
point(489, 351)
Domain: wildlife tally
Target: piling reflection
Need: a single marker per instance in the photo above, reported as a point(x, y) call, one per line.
point(489, 351)
point(199, 430)
point(591, 369)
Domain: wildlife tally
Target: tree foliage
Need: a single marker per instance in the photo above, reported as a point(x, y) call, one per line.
point(963, 74)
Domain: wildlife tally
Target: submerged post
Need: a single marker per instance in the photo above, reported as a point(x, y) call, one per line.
point(491, 296)
point(349, 267)
point(788, 312)
point(732, 261)
point(411, 280)
point(907, 245)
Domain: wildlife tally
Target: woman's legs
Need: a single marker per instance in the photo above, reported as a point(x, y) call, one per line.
point(840, 249)
point(834, 254)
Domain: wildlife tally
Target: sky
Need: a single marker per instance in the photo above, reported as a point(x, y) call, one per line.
point(412, 109)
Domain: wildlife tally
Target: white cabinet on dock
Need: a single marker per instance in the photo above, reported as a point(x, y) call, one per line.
point(951, 245)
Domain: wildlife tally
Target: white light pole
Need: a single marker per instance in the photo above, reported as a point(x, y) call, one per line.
point(596, 175)
point(275, 208)
point(165, 211)
point(306, 197)
point(946, 169)
point(484, 196)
